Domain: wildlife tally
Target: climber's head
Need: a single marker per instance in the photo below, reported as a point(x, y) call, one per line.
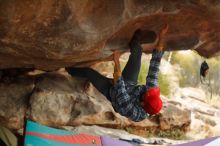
point(152, 102)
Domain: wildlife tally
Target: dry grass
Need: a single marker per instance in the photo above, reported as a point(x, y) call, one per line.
point(214, 101)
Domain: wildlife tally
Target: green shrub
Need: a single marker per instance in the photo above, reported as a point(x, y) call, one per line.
point(176, 134)
point(129, 130)
point(162, 79)
point(189, 64)
point(164, 84)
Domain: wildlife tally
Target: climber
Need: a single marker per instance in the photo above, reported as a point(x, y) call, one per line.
point(136, 102)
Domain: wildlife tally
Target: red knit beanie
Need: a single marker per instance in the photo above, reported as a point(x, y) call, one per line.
point(152, 101)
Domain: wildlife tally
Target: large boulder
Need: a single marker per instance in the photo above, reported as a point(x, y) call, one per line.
point(62, 100)
point(52, 34)
point(57, 99)
point(205, 117)
point(174, 115)
point(14, 97)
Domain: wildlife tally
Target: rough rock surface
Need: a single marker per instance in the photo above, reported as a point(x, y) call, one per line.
point(56, 33)
point(205, 119)
point(174, 116)
point(14, 96)
point(56, 99)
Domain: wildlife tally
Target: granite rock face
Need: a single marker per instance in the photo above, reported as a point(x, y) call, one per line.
point(52, 34)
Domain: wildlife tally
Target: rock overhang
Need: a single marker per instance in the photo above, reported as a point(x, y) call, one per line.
point(51, 34)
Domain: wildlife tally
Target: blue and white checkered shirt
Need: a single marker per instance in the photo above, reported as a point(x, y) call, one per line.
point(126, 97)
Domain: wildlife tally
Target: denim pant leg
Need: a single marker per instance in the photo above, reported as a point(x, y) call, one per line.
point(132, 68)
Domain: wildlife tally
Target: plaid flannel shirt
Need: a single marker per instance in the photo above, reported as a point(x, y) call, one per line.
point(126, 97)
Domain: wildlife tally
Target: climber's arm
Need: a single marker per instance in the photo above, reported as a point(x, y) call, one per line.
point(117, 68)
point(161, 39)
point(157, 54)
